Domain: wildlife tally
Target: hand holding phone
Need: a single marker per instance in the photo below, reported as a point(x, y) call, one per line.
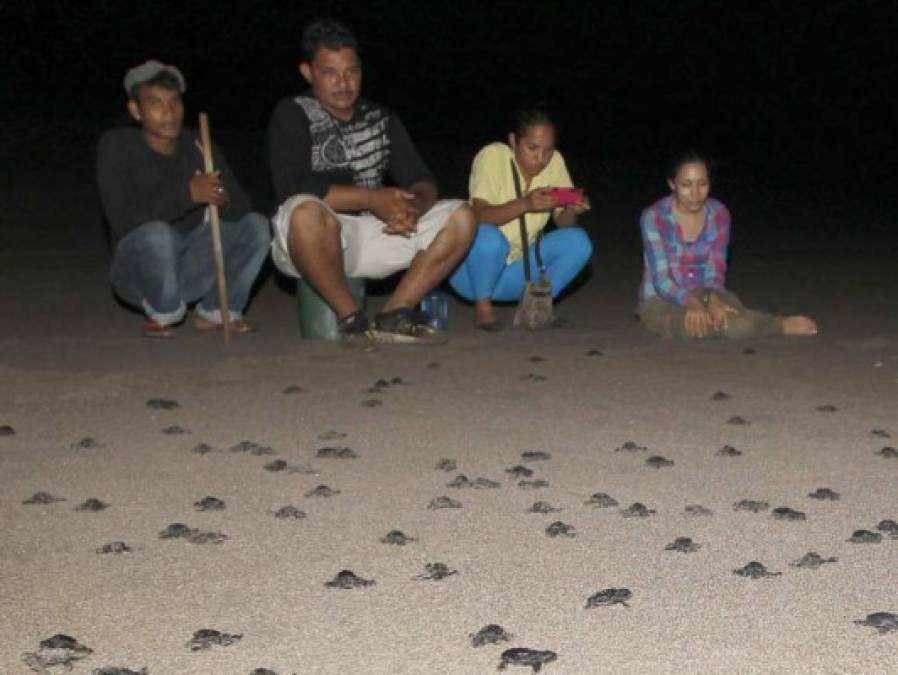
point(564, 196)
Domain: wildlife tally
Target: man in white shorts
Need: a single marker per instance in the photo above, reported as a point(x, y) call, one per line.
point(330, 151)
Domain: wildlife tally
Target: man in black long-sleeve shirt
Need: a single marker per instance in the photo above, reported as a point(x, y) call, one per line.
point(155, 195)
point(330, 151)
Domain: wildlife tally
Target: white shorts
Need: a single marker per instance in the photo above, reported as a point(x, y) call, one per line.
point(367, 251)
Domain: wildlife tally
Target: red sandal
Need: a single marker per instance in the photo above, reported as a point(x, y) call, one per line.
point(154, 329)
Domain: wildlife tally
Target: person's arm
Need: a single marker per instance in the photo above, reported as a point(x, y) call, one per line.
point(238, 204)
point(656, 259)
point(567, 215)
point(487, 185)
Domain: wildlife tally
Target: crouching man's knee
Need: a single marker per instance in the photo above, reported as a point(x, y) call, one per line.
point(464, 223)
point(311, 219)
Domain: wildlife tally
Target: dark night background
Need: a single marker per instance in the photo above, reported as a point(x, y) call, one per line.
point(790, 98)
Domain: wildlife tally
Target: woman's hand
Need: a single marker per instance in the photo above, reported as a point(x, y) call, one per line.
point(538, 200)
point(720, 312)
point(698, 319)
point(580, 207)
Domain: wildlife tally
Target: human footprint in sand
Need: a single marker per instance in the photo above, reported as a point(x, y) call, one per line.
point(685, 236)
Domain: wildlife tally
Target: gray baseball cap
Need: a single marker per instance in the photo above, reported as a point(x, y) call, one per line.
point(149, 70)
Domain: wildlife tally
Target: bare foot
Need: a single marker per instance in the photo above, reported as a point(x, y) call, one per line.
point(484, 312)
point(799, 325)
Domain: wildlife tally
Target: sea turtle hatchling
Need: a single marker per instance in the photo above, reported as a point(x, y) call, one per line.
point(209, 504)
point(202, 449)
point(697, 510)
point(737, 420)
point(262, 671)
point(881, 621)
point(162, 404)
point(331, 435)
point(462, 481)
point(276, 465)
point(889, 526)
point(447, 465)
point(252, 448)
point(337, 453)
point(542, 507)
point(683, 545)
point(750, 505)
point(630, 446)
point(827, 408)
point(601, 500)
point(864, 537)
point(43, 498)
point(637, 510)
point(559, 529)
point(491, 634)
point(534, 377)
point(7, 430)
point(347, 579)
point(55, 652)
point(436, 571)
point(729, 451)
point(721, 396)
point(92, 504)
point(880, 433)
point(371, 403)
point(888, 452)
point(812, 560)
point(825, 494)
point(533, 484)
point(443, 502)
point(609, 597)
point(593, 352)
point(786, 513)
point(755, 570)
point(658, 462)
point(322, 491)
point(520, 471)
point(175, 430)
point(397, 538)
point(87, 443)
point(289, 511)
point(292, 389)
point(205, 638)
point(536, 456)
point(748, 351)
point(192, 535)
point(114, 547)
point(522, 656)
point(115, 670)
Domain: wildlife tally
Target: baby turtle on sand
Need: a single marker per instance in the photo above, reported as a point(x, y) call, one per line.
point(683, 545)
point(658, 462)
point(609, 597)
point(86, 443)
point(331, 435)
point(337, 453)
point(881, 621)
point(697, 510)
point(162, 404)
point(534, 377)
point(748, 351)
point(637, 510)
point(520, 471)
point(175, 430)
point(397, 538)
point(536, 359)
point(491, 634)
point(289, 511)
point(209, 504)
point(559, 529)
point(750, 505)
point(721, 396)
point(594, 352)
point(176, 531)
point(205, 638)
point(864, 537)
point(824, 494)
point(347, 579)
point(826, 408)
point(535, 456)
point(630, 446)
point(729, 451)
point(447, 465)
point(7, 430)
point(522, 656)
point(202, 449)
point(785, 513)
point(262, 671)
point(252, 448)
point(115, 670)
point(436, 571)
point(443, 503)
point(59, 650)
point(542, 507)
point(92, 504)
point(755, 570)
point(889, 526)
point(600, 500)
point(114, 547)
point(813, 560)
point(433, 365)
point(292, 389)
point(533, 484)
point(322, 491)
point(738, 421)
point(43, 498)
point(880, 433)
point(888, 452)
point(194, 536)
point(371, 403)
point(276, 465)
point(462, 481)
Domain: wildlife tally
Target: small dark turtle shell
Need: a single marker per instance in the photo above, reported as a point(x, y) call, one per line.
point(489, 635)
point(813, 560)
point(750, 505)
point(201, 448)
point(289, 511)
point(738, 421)
point(7, 430)
point(658, 462)
point(444, 503)
point(826, 408)
point(889, 526)
point(43, 498)
point(748, 351)
point(522, 656)
point(881, 621)
point(559, 529)
point(533, 484)
point(888, 452)
point(207, 637)
point(263, 671)
point(176, 531)
point(371, 403)
point(436, 571)
point(62, 641)
point(697, 510)
point(825, 494)
point(729, 451)
point(880, 433)
point(292, 389)
point(252, 448)
point(86, 443)
point(601, 500)
point(337, 453)
point(447, 465)
point(175, 430)
point(209, 504)
point(536, 359)
point(397, 538)
point(520, 471)
point(637, 510)
point(92, 504)
point(535, 456)
point(210, 537)
point(865, 537)
point(114, 547)
point(462, 481)
point(322, 491)
point(275, 466)
point(331, 435)
point(162, 404)
point(609, 597)
point(786, 513)
point(347, 579)
point(755, 570)
point(630, 446)
point(534, 377)
point(683, 545)
point(115, 670)
point(721, 396)
point(542, 507)
point(594, 352)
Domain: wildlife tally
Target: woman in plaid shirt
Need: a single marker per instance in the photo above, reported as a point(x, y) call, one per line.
point(683, 293)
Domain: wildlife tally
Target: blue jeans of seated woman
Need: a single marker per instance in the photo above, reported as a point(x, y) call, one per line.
point(159, 269)
point(484, 273)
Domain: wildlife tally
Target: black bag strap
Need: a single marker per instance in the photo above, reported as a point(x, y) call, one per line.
point(524, 242)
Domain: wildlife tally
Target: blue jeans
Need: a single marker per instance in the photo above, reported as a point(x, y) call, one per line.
point(484, 273)
point(159, 269)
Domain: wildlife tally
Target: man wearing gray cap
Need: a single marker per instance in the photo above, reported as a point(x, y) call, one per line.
point(155, 195)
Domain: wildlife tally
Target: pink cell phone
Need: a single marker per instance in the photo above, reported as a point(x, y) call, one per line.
point(565, 196)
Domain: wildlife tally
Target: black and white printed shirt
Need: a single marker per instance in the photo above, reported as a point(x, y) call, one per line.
point(310, 149)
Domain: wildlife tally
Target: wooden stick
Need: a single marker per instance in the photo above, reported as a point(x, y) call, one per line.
point(206, 141)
